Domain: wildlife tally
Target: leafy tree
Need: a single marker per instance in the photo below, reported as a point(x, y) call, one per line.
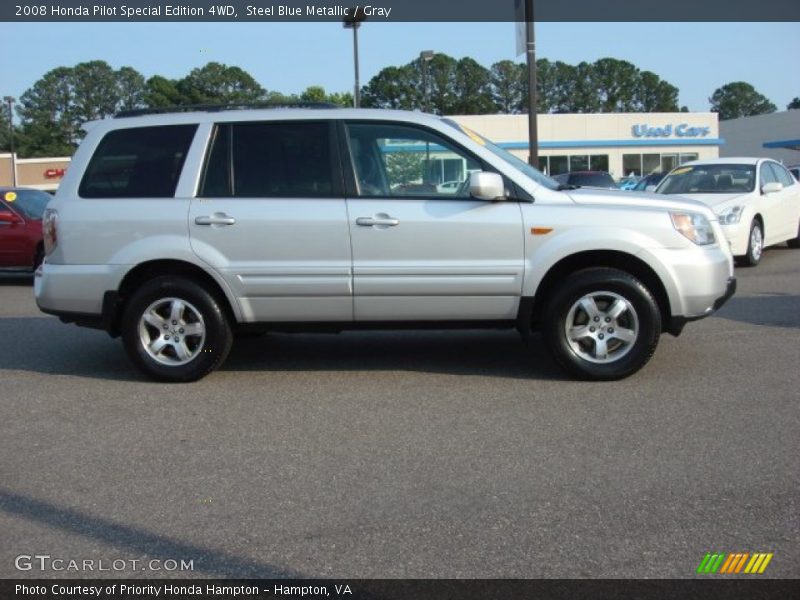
point(508, 82)
point(795, 103)
point(739, 99)
point(441, 83)
point(472, 87)
point(216, 83)
point(317, 93)
point(5, 131)
point(615, 83)
point(49, 121)
point(160, 91)
point(131, 88)
point(655, 95)
point(393, 87)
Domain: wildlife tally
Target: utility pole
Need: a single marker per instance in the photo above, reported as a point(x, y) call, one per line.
point(425, 57)
point(533, 132)
point(353, 21)
point(10, 101)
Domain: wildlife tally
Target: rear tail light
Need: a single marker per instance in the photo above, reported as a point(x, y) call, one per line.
point(50, 230)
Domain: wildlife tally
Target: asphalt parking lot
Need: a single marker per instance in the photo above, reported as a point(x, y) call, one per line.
point(414, 454)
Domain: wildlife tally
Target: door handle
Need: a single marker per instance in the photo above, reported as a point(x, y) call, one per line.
point(380, 220)
point(215, 219)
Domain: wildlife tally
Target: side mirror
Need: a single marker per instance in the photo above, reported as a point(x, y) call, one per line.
point(487, 186)
point(771, 187)
point(650, 188)
point(6, 216)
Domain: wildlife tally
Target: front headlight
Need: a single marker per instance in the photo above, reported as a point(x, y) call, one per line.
point(694, 227)
point(731, 215)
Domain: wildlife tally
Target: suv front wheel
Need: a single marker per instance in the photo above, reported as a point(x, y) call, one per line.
point(602, 324)
point(174, 330)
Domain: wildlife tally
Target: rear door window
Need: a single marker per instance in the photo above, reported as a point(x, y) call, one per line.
point(140, 162)
point(287, 159)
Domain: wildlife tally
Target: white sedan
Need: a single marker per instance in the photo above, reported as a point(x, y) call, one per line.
point(756, 199)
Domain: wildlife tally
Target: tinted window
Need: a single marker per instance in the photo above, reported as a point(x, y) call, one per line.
point(270, 160)
point(143, 162)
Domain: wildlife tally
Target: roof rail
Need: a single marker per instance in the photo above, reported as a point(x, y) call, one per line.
point(160, 110)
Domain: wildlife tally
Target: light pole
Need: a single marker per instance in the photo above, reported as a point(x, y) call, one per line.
point(10, 101)
point(533, 133)
point(353, 21)
point(425, 57)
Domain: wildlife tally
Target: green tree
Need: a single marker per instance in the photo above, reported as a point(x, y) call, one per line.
point(508, 86)
point(160, 91)
point(49, 123)
point(216, 83)
point(794, 104)
point(739, 99)
point(393, 87)
point(131, 89)
point(317, 93)
point(5, 131)
point(655, 95)
point(473, 89)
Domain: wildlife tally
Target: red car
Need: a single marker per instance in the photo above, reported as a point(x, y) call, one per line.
point(21, 210)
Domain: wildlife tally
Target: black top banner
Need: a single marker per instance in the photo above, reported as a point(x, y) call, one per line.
point(255, 11)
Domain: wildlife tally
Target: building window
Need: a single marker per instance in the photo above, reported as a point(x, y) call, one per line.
point(543, 164)
point(579, 163)
point(599, 162)
point(558, 164)
point(686, 157)
point(651, 163)
point(631, 164)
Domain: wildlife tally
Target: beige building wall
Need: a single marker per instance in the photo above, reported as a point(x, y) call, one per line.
point(38, 173)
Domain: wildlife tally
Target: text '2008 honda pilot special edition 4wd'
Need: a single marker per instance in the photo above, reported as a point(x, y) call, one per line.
point(176, 230)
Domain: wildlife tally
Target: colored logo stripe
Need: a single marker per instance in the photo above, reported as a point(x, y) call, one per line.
point(734, 562)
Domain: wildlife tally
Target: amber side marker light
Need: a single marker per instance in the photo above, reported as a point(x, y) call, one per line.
point(541, 230)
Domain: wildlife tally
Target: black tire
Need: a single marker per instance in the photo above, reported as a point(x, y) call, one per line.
point(754, 253)
point(202, 310)
point(580, 356)
point(795, 242)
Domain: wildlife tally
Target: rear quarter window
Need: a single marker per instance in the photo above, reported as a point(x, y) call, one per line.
point(140, 162)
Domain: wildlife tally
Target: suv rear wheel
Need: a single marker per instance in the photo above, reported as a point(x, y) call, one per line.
point(602, 324)
point(174, 330)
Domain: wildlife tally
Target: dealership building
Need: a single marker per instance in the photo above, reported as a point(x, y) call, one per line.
point(620, 143)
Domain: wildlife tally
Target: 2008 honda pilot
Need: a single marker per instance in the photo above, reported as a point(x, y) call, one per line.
point(176, 230)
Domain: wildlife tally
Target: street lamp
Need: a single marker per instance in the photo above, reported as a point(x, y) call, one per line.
point(425, 57)
point(353, 21)
point(10, 101)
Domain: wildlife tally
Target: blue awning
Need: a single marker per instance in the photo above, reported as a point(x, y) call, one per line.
point(789, 144)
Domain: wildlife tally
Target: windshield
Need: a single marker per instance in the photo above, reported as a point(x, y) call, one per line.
point(509, 158)
point(709, 179)
point(30, 203)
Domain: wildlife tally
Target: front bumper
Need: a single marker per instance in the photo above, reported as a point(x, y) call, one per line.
point(676, 324)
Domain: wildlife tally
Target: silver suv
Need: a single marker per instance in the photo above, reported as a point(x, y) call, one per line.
point(177, 230)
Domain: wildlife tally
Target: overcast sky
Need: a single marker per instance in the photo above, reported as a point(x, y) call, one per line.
point(288, 57)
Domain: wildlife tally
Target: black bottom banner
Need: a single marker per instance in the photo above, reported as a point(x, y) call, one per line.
point(399, 589)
